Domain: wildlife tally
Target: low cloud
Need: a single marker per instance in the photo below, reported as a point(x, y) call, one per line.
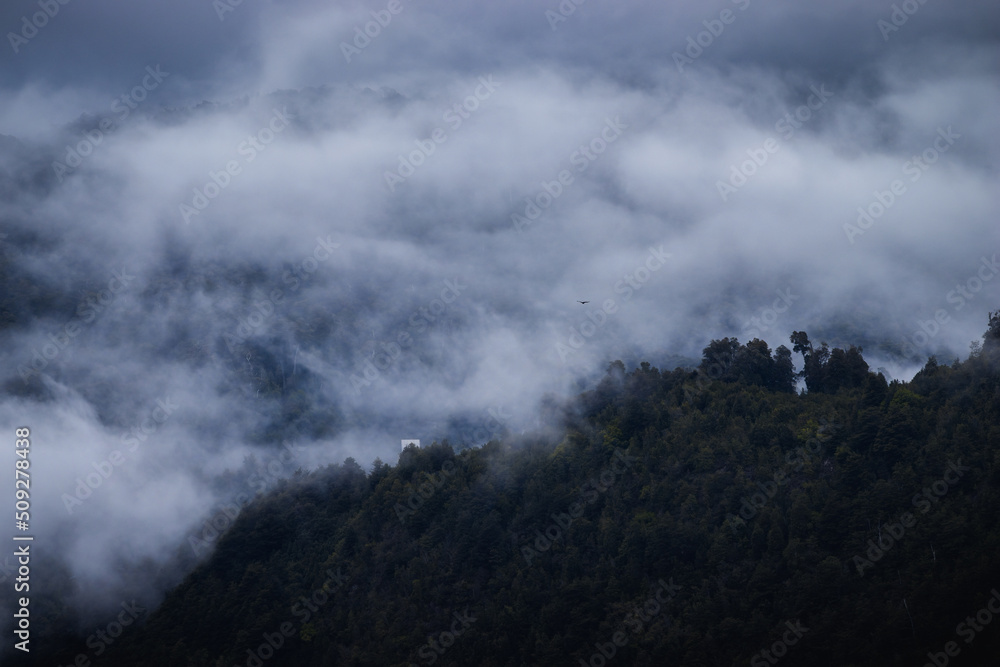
point(276, 312)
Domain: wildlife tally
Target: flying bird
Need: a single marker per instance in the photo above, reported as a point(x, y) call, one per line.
point(583, 302)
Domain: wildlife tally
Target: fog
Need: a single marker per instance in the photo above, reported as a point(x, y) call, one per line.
point(229, 228)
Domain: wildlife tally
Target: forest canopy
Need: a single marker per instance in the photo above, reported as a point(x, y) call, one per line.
point(705, 517)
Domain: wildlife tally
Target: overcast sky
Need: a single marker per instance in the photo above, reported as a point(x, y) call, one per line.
point(272, 202)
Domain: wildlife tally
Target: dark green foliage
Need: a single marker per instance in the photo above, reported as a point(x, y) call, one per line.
point(833, 469)
point(826, 370)
point(750, 364)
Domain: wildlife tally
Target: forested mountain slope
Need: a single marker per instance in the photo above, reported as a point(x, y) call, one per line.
point(681, 520)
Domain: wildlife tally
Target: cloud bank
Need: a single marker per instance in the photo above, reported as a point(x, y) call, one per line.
point(230, 227)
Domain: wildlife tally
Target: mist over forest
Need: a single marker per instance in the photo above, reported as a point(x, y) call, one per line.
point(239, 240)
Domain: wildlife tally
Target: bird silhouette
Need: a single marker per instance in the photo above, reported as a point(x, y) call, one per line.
point(583, 302)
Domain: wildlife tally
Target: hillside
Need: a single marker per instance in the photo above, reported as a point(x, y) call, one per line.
point(678, 519)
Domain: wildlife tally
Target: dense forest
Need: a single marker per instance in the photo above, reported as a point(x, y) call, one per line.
point(695, 518)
